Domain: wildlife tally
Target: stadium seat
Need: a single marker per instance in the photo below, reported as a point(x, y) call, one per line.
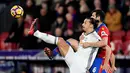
point(126, 47)
point(3, 37)
point(117, 47)
point(118, 35)
point(127, 37)
point(6, 46)
point(117, 40)
point(126, 44)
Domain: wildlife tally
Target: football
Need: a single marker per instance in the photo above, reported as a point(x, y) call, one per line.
point(17, 11)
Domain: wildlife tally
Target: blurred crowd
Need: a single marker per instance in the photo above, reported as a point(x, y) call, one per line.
point(64, 18)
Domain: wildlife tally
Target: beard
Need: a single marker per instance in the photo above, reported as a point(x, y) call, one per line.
point(83, 30)
point(96, 21)
point(96, 24)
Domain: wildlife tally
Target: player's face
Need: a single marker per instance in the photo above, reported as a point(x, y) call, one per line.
point(86, 24)
point(93, 15)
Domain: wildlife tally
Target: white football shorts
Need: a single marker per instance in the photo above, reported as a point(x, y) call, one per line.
point(74, 62)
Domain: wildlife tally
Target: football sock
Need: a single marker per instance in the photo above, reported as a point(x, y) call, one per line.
point(46, 37)
point(56, 50)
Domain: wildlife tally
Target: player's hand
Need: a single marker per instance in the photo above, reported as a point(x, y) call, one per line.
point(81, 37)
point(107, 68)
point(86, 44)
point(114, 68)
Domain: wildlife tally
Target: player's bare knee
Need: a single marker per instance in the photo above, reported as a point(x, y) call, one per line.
point(63, 46)
point(61, 41)
point(70, 40)
point(74, 43)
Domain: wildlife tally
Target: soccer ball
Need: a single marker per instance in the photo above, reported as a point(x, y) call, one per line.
point(17, 11)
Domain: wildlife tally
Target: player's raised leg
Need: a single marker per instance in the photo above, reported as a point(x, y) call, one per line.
point(51, 54)
point(60, 42)
point(74, 43)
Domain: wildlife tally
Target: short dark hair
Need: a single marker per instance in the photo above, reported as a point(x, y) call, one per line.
point(93, 22)
point(59, 16)
point(99, 13)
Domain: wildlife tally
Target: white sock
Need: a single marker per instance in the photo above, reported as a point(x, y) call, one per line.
point(46, 37)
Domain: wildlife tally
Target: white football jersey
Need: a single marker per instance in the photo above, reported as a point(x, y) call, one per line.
point(87, 55)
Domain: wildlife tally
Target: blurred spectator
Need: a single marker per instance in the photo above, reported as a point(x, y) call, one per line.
point(55, 5)
point(30, 8)
point(72, 26)
point(117, 3)
point(23, 72)
point(127, 23)
point(100, 4)
point(59, 23)
point(68, 1)
point(97, 4)
point(28, 42)
point(28, 21)
point(71, 23)
point(83, 6)
point(55, 1)
point(16, 31)
point(59, 72)
point(113, 2)
point(72, 11)
point(44, 5)
point(45, 20)
point(113, 19)
point(58, 32)
point(126, 8)
point(59, 10)
point(83, 10)
point(126, 15)
point(69, 34)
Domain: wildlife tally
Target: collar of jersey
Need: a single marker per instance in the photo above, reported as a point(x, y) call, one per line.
point(88, 33)
point(97, 29)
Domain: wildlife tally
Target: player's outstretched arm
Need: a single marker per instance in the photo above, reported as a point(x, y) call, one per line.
point(112, 60)
point(107, 58)
point(101, 43)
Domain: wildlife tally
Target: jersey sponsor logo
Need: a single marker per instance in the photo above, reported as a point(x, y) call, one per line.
point(94, 69)
point(102, 28)
point(103, 33)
